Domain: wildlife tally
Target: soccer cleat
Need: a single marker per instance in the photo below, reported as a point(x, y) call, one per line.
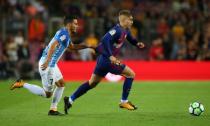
point(127, 105)
point(67, 104)
point(18, 84)
point(54, 113)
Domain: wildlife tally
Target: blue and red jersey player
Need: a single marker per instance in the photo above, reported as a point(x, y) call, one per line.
point(108, 49)
point(110, 45)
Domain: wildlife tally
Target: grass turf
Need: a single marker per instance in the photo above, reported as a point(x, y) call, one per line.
point(160, 104)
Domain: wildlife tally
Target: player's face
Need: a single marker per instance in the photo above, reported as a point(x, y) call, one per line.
point(129, 21)
point(74, 26)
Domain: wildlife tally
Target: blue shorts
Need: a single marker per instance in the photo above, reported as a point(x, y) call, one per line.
point(104, 66)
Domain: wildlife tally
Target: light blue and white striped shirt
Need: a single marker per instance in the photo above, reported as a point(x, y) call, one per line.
point(63, 38)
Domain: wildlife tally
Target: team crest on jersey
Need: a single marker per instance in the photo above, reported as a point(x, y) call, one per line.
point(112, 32)
point(63, 37)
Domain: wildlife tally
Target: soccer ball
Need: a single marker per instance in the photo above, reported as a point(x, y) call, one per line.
point(196, 108)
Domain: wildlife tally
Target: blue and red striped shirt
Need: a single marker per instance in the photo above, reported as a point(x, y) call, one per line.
point(112, 41)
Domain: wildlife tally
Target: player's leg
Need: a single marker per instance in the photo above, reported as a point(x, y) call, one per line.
point(58, 92)
point(99, 73)
point(94, 80)
point(37, 90)
point(129, 75)
point(47, 82)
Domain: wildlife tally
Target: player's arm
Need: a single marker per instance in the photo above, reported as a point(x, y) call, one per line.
point(108, 46)
point(78, 46)
point(134, 42)
point(49, 54)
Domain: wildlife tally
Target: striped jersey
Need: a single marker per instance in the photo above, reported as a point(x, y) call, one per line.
point(64, 39)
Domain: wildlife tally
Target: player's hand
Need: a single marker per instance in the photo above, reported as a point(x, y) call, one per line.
point(140, 45)
point(114, 60)
point(45, 65)
point(92, 47)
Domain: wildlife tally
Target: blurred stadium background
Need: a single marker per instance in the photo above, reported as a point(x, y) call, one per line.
point(177, 30)
point(177, 38)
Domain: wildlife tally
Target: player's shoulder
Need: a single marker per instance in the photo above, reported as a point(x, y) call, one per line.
point(62, 35)
point(115, 30)
point(62, 31)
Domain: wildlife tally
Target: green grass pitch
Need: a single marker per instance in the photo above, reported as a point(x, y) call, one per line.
point(160, 104)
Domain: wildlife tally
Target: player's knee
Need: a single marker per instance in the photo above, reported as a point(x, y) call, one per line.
point(60, 84)
point(93, 84)
point(48, 94)
point(132, 74)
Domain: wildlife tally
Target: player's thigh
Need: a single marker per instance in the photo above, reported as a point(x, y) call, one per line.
point(101, 67)
point(116, 69)
point(128, 72)
point(95, 79)
point(47, 80)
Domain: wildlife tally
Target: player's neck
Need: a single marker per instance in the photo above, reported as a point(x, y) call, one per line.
point(70, 33)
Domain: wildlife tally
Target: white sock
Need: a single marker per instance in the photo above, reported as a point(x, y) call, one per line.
point(70, 100)
point(124, 101)
point(57, 94)
point(35, 89)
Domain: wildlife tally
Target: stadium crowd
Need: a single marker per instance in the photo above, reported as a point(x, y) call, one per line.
point(171, 30)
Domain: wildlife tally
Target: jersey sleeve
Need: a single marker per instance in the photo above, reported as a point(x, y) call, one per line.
point(62, 37)
point(108, 41)
point(132, 40)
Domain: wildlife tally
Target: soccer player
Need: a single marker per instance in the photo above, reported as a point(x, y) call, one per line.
point(108, 48)
point(48, 69)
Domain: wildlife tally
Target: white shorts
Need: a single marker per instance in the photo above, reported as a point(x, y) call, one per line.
point(49, 76)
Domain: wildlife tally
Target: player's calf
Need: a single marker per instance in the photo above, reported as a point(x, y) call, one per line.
point(129, 74)
point(94, 80)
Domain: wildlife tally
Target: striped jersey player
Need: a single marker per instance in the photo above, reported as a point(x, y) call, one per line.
point(50, 74)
